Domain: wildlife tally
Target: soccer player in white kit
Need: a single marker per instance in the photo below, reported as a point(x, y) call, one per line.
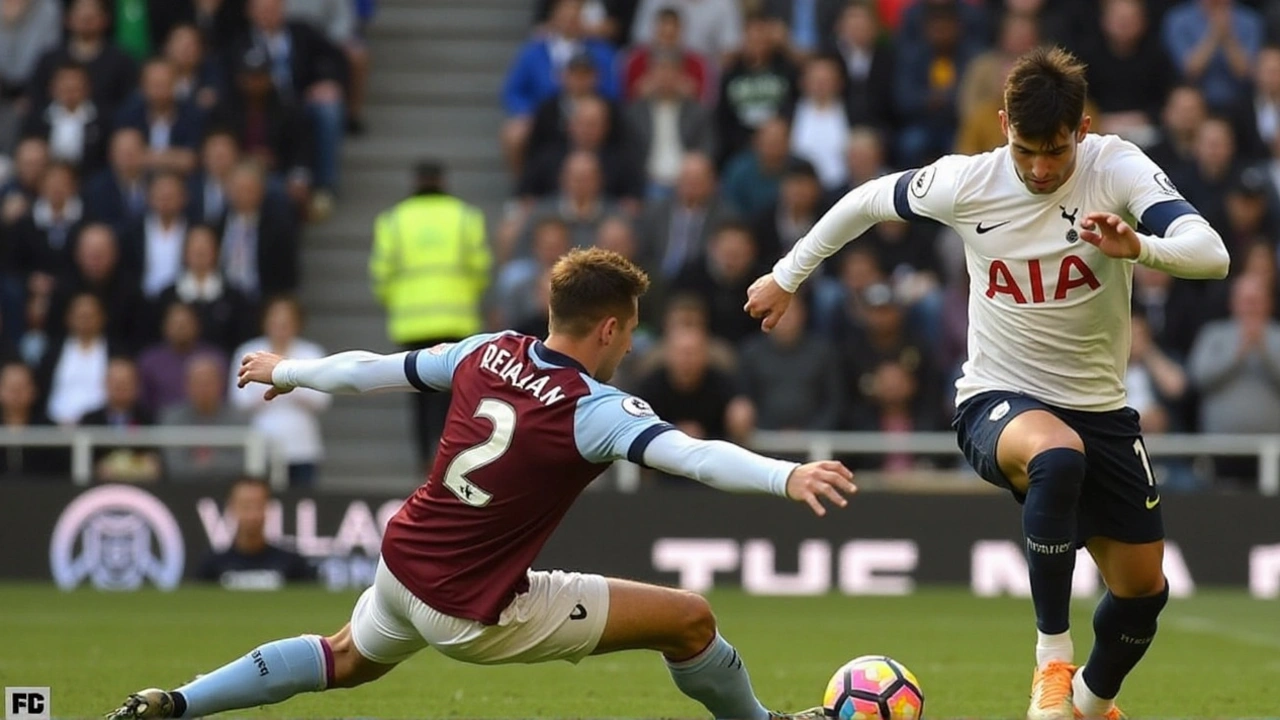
point(1048, 227)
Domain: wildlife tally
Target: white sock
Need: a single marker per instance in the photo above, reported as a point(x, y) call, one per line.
point(1054, 648)
point(1089, 704)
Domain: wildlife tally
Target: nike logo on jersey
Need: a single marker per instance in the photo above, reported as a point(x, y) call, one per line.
point(984, 230)
point(1151, 503)
point(578, 613)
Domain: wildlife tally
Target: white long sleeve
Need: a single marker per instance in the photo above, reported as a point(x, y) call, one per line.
point(719, 464)
point(854, 214)
point(1190, 249)
point(354, 371)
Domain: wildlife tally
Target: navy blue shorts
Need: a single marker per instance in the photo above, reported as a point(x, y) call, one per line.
point(1119, 499)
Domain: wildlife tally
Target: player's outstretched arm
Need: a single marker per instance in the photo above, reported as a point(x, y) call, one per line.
point(854, 214)
point(726, 466)
point(354, 371)
point(1190, 247)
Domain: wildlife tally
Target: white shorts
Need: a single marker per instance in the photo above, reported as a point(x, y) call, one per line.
point(560, 617)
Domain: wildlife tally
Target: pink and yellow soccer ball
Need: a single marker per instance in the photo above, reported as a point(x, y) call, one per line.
point(874, 687)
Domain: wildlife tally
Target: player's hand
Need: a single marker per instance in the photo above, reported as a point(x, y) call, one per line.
point(826, 479)
point(257, 367)
point(1111, 235)
point(766, 299)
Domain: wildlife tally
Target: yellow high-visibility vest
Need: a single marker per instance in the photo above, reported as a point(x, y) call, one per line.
point(430, 267)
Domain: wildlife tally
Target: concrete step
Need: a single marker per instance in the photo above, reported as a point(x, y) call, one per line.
point(520, 9)
point(410, 54)
point(417, 122)
point(475, 151)
point(383, 188)
point(477, 87)
point(470, 21)
point(351, 330)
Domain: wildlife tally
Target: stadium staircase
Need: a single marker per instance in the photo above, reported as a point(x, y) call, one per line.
point(437, 71)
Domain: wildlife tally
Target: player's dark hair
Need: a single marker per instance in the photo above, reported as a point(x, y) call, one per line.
point(249, 481)
point(1045, 93)
point(589, 285)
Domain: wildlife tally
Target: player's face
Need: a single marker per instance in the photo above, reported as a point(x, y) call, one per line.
point(1044, 165)
point(617, 340)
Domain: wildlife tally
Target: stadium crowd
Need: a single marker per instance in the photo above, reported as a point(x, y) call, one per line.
point(703, 138)
point(159, 162)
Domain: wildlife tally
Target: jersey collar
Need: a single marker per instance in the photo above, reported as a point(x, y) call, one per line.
point(553, 357)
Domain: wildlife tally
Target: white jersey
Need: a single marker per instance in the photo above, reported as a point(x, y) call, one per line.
point(1048, 313)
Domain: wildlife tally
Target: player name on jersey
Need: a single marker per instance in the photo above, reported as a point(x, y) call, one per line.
point(507, 367)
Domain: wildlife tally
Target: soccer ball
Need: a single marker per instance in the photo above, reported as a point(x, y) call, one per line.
point(874, 687)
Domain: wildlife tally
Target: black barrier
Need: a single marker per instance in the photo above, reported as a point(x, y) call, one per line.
point(123, 537)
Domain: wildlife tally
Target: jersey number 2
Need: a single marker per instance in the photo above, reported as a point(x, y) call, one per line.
point(503, 417)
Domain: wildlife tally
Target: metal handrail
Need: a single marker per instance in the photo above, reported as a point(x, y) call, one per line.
point(261, 458)
point(825, 445)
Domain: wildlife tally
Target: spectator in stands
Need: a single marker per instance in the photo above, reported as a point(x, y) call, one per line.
point(536, 71)
point(752, 178)
point(907, 254)
point(666, 123)
point(1235, 365)
point(711, 28)
point(732, 264)
point(821, 121)
point(675, 230)
point(75, 129)
point(117, 194)
point(202, 406)
point(123, 413)
point(227, 317)
point(1128, 71)
point(163, 365)
point(34, 341)
point(259, 238)
point(799, 205)
point(864, 159)
point(207, 189)
point(269, 127)
point(1214, 44)
point(981, 94)
point(220, 22)
point(589, 131)
point(19, 192)
point(838, 302)
point(618, 235)
point(607, 20)
point(580, 204)
point(73, 372)
point(792, 376)
point(868, 64)
point(154, 246)
point(759, 85)
point(432, 292)
point(551, 117)
point(1155, 384)
point(98, 272)
point(687, 391)
point(337, 20)
point(19, 409)
point(535, 318)
point(806, 24)
point(28, 29)
point(199, 78)
point(895, 406)
point(1249, 217)
point(668, 39)
point(252, 562)
point(516, 288)
point(1173, 310)
point(291, 420)
point(975, 23)
point(309, 71)
point(1184, 112)
point(928, 81)
point(1259, 116)
point(112, 74)
point(173, 128)
point(880, 336)
point(682, 311)
point(1214, 169)
point(42, 242)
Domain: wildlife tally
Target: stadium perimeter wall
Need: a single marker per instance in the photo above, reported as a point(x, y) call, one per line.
point(124, 537)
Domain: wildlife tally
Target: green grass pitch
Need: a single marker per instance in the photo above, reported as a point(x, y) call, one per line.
point(1218, 655)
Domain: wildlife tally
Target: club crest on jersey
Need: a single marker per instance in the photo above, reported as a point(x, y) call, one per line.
point(1166, 185)
point(635, 406)
point(923, 180)
point(1070, 217)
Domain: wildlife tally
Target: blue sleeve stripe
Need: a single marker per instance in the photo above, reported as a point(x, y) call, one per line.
point(411, 372)
point(901, 204)
point(636, 452)
point(1160, 216)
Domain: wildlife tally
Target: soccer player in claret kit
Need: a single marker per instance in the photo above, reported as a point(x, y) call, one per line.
point(1041, 402)
point(530, 425)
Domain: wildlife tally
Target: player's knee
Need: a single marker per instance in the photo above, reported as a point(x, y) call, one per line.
point(697, 626)
point(1138, 615)
point(1153, 588)
point(350, 668)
